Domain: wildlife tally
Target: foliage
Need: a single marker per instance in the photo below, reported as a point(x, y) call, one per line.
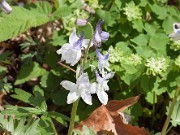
point(142, 56)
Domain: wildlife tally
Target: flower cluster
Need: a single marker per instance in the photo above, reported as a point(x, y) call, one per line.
point(132, 11)
point(71, 54)
point(156, 66)
point(116, 55)
point(175, 45)
point(177, 61)
point(5, 7)
point(68, 21)
point(133, 59)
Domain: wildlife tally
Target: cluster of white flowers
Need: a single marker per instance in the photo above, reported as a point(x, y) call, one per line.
point(116, 55)
point(133, 59)
point(175, 45)
point(132, 11)
point(156, 66)
point(71, 54)
point(177, 61)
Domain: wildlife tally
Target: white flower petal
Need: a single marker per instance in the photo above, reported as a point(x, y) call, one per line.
point(64, 48)
point(103, 97)
point(69, 85)
point(72, 56)
point(83, 79)
point(85, 43)
point(87, 98)
point(92, 88)
point(109, 75)
point(72, 97)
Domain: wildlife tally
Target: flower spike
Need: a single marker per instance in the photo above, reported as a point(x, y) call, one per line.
point(100, 35)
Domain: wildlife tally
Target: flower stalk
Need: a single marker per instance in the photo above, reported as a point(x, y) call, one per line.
point(164, 130)
point(73, 115)
point(75, 104)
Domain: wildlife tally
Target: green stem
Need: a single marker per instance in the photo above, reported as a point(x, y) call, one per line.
point(170, 111)
point(54, 129)
point(169, 129)
point(153, 113)
point(73, 115)
point(75, 104)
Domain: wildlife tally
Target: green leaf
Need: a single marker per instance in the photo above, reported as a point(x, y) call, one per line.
point(138, 25)
point(151, 97)
point(130, 69)
point(23, 19)
point(41, 7)
point(88, 31)
point(59, 117)
point(22, 95)
point(61, 12)
point(46, 126)
point(144, 51)
point(168, 24)
point(21, 111)
point(105, 15)
point(28, 71)
point(147, 83)
point(161, 12)
point(151, 28)
point(159, 42)
point(39, 99)
point(22, 126)
point(175, 117)
point(4, 55)
point(58, 38)
point(140, 40)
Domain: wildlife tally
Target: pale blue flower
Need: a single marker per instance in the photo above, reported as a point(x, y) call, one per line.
point(71, 52)
point(176, 32)
point(102, 61)
point(100, 35)
point(102, 87)
point(82, 88)
point(5, 6)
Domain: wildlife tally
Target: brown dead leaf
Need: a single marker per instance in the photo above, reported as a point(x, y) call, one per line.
point(115, 106)
point(106, 119)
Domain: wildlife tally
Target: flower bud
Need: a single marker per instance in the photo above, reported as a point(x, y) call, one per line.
point(81, 22)
point(5, 7)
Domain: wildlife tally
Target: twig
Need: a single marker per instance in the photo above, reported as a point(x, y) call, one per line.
point(65, 66)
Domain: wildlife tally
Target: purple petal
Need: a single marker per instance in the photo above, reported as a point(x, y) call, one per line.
point(100, 56)
point(104, 36)
point(81, 22)
point(77, 45)
point(73, 38)
point(97, 38)
point(98, 26)
point(98, 77)
point(83, 78)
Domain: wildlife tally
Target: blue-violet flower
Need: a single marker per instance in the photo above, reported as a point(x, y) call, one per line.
point(176, 32)
point(100, 35)
point(82, 88)
point(102, 61)
point(71, 52)
point(102, 86)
